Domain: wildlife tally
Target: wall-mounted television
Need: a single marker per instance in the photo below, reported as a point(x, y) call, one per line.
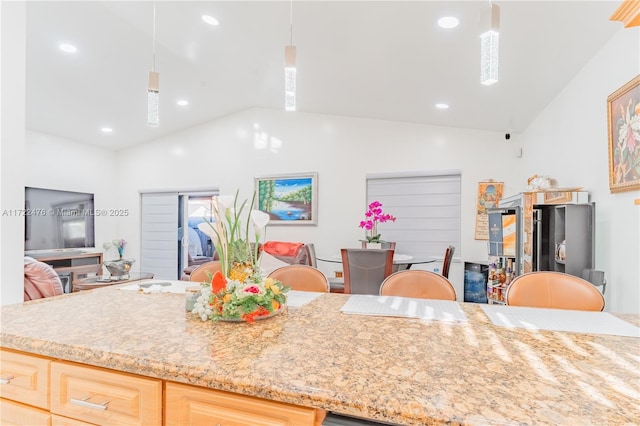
point(56, 219)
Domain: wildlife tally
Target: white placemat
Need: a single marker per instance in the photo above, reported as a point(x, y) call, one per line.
point(159, 286)
point(296, 298)
point(392, 306)
point(559, 320)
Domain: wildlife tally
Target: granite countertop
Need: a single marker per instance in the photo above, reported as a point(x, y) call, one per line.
point(397, 370)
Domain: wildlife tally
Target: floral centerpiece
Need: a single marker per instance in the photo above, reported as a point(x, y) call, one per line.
point(373, 216)
point(239, 291)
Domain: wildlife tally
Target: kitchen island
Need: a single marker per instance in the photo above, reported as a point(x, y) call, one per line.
point(395, 370)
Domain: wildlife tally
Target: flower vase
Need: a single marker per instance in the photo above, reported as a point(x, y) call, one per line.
point(376, 246)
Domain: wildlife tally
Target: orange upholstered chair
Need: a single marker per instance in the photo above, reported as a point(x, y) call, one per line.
point(546, 289)
point(418, 284)
point(289, 252)
point(200, 273)
point(301, 277)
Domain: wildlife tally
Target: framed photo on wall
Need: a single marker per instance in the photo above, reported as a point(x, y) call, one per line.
point(290, 199)
point(623, 119)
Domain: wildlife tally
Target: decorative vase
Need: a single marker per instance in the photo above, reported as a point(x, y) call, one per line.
point(367, 245)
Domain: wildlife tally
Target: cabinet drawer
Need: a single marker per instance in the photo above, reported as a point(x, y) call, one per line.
point(191, 405)
point(13, 413)
point(101, 396)
point(25, 378)
point(66, 421)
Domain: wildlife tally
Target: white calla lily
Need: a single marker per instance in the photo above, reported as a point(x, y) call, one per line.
point(260, 220)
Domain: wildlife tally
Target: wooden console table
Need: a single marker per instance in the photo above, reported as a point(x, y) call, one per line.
point(76, 265)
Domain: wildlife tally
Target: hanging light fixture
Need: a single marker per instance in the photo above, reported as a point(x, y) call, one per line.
point(153, 90)
point(290, 68)
point(489, 46)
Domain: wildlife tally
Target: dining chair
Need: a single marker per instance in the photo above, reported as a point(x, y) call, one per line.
point(301, 277)
point(557, 290)
point(418, 284)
point(365, 269)
point(200, 273)
point(446, 262)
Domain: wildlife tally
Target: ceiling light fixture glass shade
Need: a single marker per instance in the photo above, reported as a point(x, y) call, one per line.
point(153, 99)
point(290, 78)
point(489, 48)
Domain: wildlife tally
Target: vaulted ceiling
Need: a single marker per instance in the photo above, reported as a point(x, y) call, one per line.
point(385, 60)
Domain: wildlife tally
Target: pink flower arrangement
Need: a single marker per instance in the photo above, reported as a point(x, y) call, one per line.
point(373, 216)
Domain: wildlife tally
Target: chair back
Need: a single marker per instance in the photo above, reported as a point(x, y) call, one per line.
point(289, 252)
point(365, 269)
point(40, 280)
point(418, 284)
point(301, 277)
point(200, 273)
point(311, 249)
point(446, 262)
point(557, 290)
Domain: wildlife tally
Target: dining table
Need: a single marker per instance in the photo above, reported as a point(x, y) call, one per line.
point(400, 261)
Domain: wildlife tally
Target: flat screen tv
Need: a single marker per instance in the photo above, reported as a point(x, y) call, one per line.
point(56, 219)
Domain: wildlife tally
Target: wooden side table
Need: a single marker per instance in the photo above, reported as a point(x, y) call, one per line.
point(100, 281)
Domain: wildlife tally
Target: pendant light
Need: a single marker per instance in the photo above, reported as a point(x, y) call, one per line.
point(290, 68)
point(489, 46)
point(153, 90)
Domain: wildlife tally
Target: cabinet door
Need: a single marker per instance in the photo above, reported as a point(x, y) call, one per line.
point(24, 378)
point(13, 413)
point(191, 405)
point(102, 396)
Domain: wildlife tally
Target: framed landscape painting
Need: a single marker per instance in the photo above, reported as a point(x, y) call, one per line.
point(623, 115)
point(289, 199)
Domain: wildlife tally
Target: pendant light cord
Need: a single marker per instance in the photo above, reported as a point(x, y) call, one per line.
point(291, 23)
point(153, 68)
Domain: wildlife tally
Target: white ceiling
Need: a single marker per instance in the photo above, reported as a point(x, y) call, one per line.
point(375, 59)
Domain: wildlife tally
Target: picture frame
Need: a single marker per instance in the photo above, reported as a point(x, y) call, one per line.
point(289, 199)
point(623, 109)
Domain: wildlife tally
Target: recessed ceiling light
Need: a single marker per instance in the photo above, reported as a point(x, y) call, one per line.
point(442, 106)
point(210, 20)
point(68, 48)
point(106, 130)
point(182, 102)
point(448, 22)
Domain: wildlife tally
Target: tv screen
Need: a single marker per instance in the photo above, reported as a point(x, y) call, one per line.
point(57, 219)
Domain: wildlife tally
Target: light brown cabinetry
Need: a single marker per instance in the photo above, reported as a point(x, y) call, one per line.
point(191, 405)
point(13, 413)
point(42, 391)
point(102, 396)
point(24, 378)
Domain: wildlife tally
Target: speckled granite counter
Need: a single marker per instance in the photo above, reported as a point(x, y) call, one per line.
point(391, 369)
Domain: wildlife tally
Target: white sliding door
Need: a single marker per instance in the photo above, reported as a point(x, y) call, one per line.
point(159, 235)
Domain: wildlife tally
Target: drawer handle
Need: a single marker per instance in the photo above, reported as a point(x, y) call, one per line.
point(84, 403)
point(6, 380)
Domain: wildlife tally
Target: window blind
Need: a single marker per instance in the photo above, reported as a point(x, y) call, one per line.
point(427, 210)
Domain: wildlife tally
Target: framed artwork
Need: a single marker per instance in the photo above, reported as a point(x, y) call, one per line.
point(290, 199)
point(557, 197)
point(623, 120)
point(489, 194)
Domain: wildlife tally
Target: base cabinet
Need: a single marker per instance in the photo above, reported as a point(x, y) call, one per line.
point(14, 413)
point(191, 405)
point(40, 391)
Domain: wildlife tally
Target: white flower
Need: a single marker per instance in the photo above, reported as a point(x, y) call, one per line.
point(259, 220)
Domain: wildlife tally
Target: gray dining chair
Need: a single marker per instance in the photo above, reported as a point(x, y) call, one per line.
point(365, 269)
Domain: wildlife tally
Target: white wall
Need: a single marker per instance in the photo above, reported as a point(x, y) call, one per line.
point(228, 154)
point(58, 163)
point(568, 142)
point(12, 149)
